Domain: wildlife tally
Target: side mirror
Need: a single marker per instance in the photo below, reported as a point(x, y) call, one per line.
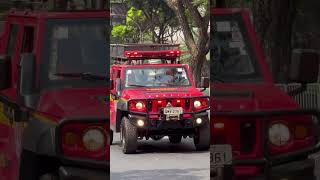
point(27, 74)
point(118, 86)
point(5, 72)
point(304, 66)
point(111, 84)
point(205, 82)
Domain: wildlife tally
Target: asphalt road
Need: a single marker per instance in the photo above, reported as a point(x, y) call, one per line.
point(160, 160)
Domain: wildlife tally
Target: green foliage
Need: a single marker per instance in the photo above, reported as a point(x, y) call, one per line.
point(152, 18)
point(130, 32)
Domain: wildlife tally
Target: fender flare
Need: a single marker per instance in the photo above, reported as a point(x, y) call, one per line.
point(122, 109)
point(39, 137)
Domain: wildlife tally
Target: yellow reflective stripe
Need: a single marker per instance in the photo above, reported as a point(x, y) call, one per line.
point(43, 118)
point(123, 99)
point(3, 119)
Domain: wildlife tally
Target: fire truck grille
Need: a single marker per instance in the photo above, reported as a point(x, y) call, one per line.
point(247, 136)
point(155, 106)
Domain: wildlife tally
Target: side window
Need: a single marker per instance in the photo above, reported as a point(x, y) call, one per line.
point(118, 73)
point(12, 40)
point(28, 40)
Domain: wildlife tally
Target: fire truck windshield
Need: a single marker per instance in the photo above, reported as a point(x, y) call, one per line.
point(156, 77)
point(233, 57)
point(74, 48)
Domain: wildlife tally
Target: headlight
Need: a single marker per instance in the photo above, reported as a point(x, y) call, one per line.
point(279, 134)
point(93, 139)
point(196, 104)
point(139, 105)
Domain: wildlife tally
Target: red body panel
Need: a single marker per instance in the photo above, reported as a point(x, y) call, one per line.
point(265, 96)
point(55, 104)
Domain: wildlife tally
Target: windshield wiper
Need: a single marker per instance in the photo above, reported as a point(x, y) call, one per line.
point(137, 85)
point(84, 75)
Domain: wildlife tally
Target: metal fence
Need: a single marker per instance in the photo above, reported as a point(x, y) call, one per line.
point(307, 99)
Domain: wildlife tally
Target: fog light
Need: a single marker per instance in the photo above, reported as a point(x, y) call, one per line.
point(140, 123)
point(198, 120)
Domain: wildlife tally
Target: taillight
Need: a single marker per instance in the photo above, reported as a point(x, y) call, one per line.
point(85, 140)
point(201, 103)
point(137, 105)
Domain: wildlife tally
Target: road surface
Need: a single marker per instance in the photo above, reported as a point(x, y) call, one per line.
point(159, 160)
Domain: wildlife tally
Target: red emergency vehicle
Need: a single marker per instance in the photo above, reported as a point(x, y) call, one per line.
point(153, 96)
point(53, 95)
point(257, 130)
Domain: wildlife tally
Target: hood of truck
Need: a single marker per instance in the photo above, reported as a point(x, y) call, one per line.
point(153, 93)
point(74, 103)
point(250, 97)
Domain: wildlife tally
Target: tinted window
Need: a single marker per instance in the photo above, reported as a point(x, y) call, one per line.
point(156, 77)
point(233, 59)
point(72, 47)
point(12, 39)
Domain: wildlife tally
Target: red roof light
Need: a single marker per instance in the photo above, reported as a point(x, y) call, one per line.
point(153, 54)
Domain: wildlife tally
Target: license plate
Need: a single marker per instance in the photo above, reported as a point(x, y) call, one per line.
point(172, 112)
point(220, 155)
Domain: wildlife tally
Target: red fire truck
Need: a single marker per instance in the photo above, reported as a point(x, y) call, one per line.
point(257, 130)
point(153, 96)
point(53, 95)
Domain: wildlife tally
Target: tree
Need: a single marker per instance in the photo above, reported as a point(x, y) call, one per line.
point(134, 29)
point(273, 20)
point(160, 19)
point(197, 44)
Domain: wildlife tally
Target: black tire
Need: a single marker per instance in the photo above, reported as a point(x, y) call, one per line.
point(111, 137)
point(128, 136)
point(176, 139)
point(201, 137)
point(29, 166)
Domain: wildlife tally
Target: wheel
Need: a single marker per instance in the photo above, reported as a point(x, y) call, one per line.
point(29, 168)
point(128, 136)
point(176, 139)
point(111, 137)
point(201, 137)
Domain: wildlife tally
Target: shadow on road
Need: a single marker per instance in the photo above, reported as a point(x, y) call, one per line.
point(164, 146)
point(163, 174)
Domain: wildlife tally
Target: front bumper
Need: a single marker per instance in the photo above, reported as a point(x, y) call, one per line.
point(300, 164)
point(294, 170)
point(76, 173)
point(163, 124)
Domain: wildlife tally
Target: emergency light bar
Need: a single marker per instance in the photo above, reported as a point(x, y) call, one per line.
point(153, 54)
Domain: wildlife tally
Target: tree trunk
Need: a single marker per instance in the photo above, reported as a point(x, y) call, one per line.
point(198, 48)
point(273, 20)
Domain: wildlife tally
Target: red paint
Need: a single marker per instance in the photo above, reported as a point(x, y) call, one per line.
point(266, 96)
point(179, 96)
point(54, 104)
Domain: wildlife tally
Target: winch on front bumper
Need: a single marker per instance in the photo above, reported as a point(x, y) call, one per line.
point(302, 163)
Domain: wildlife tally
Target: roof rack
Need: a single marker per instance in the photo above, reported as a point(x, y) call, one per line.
point(145, 53)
